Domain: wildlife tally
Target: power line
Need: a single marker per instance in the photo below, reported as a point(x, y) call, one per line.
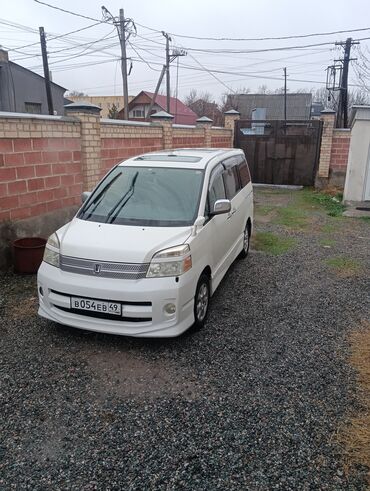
point(146, 62)
point(71, 13)
point(212, 74)
point(54, 37)
point(261, 38)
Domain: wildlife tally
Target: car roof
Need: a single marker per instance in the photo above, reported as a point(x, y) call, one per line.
point(187, 158)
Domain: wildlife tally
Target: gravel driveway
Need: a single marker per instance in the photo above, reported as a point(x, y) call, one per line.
point(251, 402)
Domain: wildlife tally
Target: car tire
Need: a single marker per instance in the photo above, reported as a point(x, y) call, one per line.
point(201, 302)
point(246, 241)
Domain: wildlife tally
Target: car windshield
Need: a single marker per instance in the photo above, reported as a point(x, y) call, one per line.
point(146, 196)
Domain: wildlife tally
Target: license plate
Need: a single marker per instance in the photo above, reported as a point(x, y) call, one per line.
point(114, 308)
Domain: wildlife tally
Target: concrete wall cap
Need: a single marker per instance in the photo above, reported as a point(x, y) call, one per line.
point(204, 119)
point(82, 107)
point(162, 115)
point(327, 111)
point(232, 112)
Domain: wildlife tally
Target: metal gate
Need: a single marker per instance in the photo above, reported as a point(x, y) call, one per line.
point(280, 152)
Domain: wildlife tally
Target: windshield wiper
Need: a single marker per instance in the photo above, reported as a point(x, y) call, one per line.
point(113, 213)
point(99, 198)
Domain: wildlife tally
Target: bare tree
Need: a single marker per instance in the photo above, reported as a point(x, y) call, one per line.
point(204, 105)
point(113, 112)
point(361, 68)
point(76, 93)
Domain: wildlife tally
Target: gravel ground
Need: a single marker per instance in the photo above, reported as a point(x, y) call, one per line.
point(251, 402)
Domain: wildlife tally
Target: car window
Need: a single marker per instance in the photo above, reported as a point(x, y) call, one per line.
point(244, 173)
point(146, 196)
point(216, 188)
point(231, 181)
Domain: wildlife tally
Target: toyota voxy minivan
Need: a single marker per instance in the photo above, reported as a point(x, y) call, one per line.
point(150, 245)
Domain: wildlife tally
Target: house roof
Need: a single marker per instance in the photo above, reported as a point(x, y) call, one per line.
point(298, 105)
point(177, 108)
point(34, 74)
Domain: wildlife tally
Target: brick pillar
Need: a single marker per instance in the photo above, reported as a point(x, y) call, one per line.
point(206, 124)
point(165, 120)
point(328, 118)
point(230, 117)
point(89, 117)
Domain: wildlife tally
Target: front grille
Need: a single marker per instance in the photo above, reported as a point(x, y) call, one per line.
point(104, 269)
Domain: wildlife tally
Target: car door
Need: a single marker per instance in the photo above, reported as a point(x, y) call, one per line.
point(237, 217)
point(220, 238)
point(247, 188)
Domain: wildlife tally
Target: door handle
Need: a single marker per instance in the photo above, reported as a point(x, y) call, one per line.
point(231, 213)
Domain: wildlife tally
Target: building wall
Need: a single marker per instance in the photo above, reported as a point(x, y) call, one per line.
point(18, 86)
point(357, 185)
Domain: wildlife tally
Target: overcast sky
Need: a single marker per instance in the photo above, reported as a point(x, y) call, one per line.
point(95, 68)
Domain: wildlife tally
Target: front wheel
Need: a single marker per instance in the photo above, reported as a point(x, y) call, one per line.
point(246, 241)
point(201, 302)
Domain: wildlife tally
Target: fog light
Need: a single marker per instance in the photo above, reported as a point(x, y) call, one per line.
point(41, 291)
point(170, 308)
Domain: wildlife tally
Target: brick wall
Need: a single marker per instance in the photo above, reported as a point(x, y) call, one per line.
point(122, 141)
point(334, 151)
point(47, 161)
point(39, 167)
point(220, 138)
point(339, 150)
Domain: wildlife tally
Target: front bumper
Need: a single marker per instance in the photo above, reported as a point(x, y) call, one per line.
point(143, 302)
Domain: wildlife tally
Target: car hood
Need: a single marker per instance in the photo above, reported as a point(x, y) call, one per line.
point(117, 243)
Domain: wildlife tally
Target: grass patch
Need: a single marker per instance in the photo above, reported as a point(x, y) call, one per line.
point(332, 226)
point(327, 242)
point(332, 204)
point(344, 266)
point(365, 219)
point(272, 244)
point(264, 210)
point(355, 435)
point(292, 217)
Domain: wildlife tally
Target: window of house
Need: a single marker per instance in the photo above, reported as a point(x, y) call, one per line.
point(33, 107)
point(138, 113)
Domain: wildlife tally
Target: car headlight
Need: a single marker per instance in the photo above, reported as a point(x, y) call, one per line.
point(174, 261)
point(51, 253)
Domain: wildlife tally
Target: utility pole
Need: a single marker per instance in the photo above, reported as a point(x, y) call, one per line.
point(342, 115)
point(123, 62)
point(123, 28)
point(168, 61)
point(46, 70)
point(284, 94)
point(152, 102)
point(170, 57)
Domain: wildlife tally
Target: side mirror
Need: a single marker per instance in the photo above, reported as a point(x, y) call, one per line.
point(85, 196)
point(221, 206)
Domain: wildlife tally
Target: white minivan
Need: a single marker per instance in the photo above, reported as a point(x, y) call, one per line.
point(150, 244)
